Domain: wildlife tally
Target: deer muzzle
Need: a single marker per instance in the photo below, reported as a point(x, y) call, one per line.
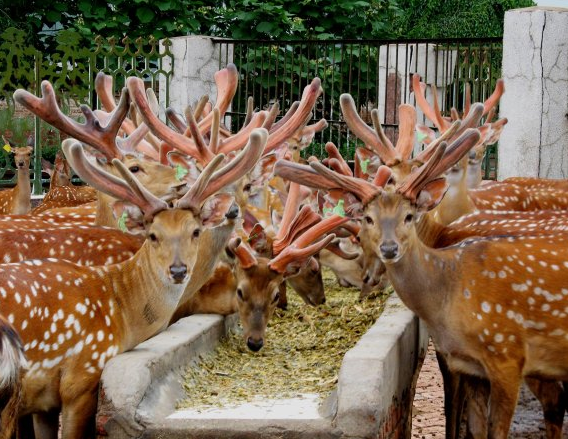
point(178, 272)
point(389, 250)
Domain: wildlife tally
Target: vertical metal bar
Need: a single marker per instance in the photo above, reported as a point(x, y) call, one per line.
point(386, 84)
point(37, 189)
point(405, 92)
point(396, 92)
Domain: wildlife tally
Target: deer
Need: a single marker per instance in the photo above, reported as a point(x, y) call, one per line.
point(17, 200)
point(83, 245)
point(108, 310)
point(466, 173)
point(511, 350)
point(61, 192)
point(251, 284)
point(13, 363)
point(159, 179)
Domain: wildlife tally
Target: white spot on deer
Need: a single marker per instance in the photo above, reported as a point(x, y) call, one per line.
point(59, 278)
point(53, 328)
point(545, 307)
point(82, 309)
point(498, 338)
point(498, 308)
point(519, 287)
point(100, 336)
point(486, 307)
point(60, 295)
point(89, 339)
point(556, 333)
point(7, 258)
point(46, 335)
point(18, 298)
point(24, 324)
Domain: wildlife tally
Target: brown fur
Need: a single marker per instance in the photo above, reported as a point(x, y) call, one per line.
point(478, 307)
point(87, 315)
point(18, 199)
point(13, 361)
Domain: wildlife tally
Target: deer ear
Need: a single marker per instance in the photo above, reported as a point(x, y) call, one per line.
point(263, 170)
point(431, 195)
point(46, 167)
point(184, 163)
point(216, 208)
point(258, 240)
point(129, 217)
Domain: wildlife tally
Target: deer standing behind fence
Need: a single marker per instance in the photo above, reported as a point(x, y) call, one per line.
point(17, 200)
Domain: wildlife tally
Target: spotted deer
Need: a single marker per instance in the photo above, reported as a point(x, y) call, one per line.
point(492, 317)
point(17, 200)
point(159, 179)
point(467, 172)
point(73, 322)
point(62, 193)
point(12, 365)
point(83, 245)
point(251, 284)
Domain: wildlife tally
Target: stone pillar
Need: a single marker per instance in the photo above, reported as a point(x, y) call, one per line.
point(196, 58)
point(535, 68)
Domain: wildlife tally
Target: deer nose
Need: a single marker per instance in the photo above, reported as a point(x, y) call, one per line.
point(255, 345)
point(389, 249)
point(178, 272)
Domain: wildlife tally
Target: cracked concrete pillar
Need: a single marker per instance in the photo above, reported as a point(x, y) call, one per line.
point(535, 68)
point(196, 59)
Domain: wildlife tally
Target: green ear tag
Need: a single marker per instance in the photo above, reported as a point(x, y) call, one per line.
point(181, 172)
point(327, 211)
point(420, 136)
point(339, 210)
point(7, 148)
point(122, 222)
point(365, 165)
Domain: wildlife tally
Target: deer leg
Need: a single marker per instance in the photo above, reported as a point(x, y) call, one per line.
point(453, 398)
point(46, 424)
point(26, 427)
point(505, 385)
point(477, 405)
point(283, 300)
point(550, 394)
point(79, 416)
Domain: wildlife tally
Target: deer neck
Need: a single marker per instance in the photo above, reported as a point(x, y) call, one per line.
point(456, 202)
point(211, 245)
point(104, 215)
point(429, 230)
point(474, 176)
point(145, 297)
point(423, 278)
point(22, 193)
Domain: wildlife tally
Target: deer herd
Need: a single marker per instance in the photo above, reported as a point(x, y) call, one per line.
point(189, 217)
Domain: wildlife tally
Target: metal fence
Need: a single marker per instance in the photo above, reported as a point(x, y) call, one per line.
point(377, 73)
point(72, 69)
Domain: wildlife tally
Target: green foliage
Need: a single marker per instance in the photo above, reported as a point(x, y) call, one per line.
point(454, 18)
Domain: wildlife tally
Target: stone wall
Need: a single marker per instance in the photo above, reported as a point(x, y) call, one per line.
point(196, 59)
point(535, 68)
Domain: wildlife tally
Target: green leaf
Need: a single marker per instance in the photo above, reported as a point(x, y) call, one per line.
point(53, 16)
point(365, 165)
point(145, 14)
point(265, 27)
point(181, 172)
point(122, 221)
point(339, 210)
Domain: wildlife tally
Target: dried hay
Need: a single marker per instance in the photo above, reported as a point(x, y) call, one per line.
point(303, 351)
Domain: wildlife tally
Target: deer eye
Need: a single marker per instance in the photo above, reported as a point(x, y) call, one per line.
point(240, 294)
point(134, 169)
point(247, 187)
point(369, 220)
point(408, 218)
point(153, 237)
point(196, 233)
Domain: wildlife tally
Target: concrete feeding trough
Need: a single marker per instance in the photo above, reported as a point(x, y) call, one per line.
point(373, 398)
